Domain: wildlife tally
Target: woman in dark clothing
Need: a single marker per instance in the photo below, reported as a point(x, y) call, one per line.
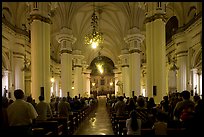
point(131, 105)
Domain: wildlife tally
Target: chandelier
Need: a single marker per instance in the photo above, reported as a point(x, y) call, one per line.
point(95, 37)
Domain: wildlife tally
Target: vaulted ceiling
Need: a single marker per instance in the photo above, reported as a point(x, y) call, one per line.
point(115, 19)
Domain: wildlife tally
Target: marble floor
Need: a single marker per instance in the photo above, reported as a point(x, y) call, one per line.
point(98, 122)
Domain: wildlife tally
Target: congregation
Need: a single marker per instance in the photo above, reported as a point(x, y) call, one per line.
point(177, 111)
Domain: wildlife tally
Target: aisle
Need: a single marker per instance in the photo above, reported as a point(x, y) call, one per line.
point(98, 122)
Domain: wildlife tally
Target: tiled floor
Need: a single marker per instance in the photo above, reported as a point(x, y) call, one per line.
point(98, 122)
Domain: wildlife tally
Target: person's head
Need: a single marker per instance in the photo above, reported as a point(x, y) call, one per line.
point(186, 94)
point(64, 99)
point(41, 98)
point(19, 94)
point(131, 102)
point(141, 102)
point(29, 99)
point(121, 98)
point(196, 98)
point(151, 100)
point(165, 98)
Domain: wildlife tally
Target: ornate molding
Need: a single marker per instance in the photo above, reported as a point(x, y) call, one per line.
point(39, 17)
point(14, 28)
point(65, 51)
point(134, 51)
point(18, 53)
point(125, 66)
point(156, 16)
point(78, 66)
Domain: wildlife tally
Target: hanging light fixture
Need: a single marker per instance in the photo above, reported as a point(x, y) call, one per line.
point(95, 37)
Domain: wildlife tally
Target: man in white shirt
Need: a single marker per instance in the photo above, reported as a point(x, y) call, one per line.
point(43, 109)
point(20, 115)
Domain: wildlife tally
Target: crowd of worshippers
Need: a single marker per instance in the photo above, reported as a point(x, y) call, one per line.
point(23, 112)
point(177, 110)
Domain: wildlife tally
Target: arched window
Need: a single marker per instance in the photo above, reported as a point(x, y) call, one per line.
point(171, 27)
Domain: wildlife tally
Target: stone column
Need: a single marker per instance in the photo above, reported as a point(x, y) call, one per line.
point(56, 89)
point(19, 73)
point(28, 83)
point(86, 81)
point(181, 56)
point(40, 49)
point(125, 73)
point(6, 81)
point(198, 88)
point(66, 39)
point(134, 39)
point(78, 81)
point(156, 50)
point(143, 81)
point(117, 89)
point(195, 80)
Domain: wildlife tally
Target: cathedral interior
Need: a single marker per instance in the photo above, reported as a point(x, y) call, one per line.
point(141, 48)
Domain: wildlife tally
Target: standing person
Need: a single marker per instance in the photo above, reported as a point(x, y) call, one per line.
point(52, 105)
point(185, 103)
point(43, 109)
point(64, 108)
point(131, 105)
point(120, 107)
point(20, 115)
point(133, 124)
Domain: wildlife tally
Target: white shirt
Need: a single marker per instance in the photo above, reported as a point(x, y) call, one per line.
point(21, 113)
point(43, 110)
point(129, 129)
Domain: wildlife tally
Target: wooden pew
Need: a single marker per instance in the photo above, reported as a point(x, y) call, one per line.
point(63, 124)
point(48, 126)
point(144, 131)
point(176, 131)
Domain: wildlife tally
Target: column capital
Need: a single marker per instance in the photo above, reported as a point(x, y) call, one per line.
point(124, 57)
point(78, 60)
point(134, 34)
point(155, 10)
point(116, 71)
point(65, 34)
point(87, 71)
point(156, 16)
point(65, 38)
point(134, 39)
point(40, 11)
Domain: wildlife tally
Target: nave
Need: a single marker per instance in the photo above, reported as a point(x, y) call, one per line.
point(98, 121)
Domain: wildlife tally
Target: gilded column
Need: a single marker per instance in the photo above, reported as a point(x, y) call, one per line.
point(40, 49)
point(134, 39)
point(156, 49)
point(66, 39)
